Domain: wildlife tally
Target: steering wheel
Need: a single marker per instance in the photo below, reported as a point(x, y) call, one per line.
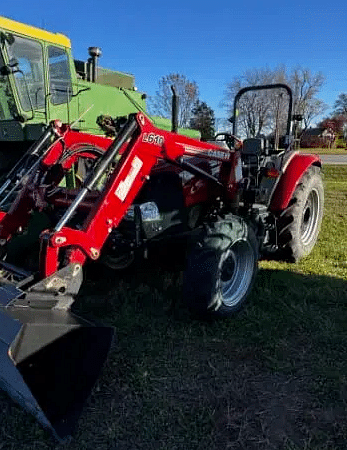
point(231, 140)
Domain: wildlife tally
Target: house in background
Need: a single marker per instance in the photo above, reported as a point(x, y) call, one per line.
point(318, 137)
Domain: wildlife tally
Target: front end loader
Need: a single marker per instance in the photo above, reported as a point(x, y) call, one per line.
point(75, 198)
point(49, 357)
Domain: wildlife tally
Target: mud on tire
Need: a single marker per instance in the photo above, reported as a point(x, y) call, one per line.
point(221, 268)
point(300, 222)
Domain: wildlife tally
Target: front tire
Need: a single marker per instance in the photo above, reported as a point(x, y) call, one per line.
point(221, 268)
point(300, 222)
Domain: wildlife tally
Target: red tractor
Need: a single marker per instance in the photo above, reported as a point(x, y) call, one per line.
point(77, 198)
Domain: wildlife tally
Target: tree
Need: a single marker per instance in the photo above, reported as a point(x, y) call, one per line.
point(203, 120)
point(335, 123)
point(187, 91)
point(340, 105)
point(338, 124)
point(255, 108)
point(306, 86)
point(264, 112)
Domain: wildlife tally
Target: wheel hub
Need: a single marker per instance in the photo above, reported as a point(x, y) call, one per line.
point(237, 268)
point(308, 222)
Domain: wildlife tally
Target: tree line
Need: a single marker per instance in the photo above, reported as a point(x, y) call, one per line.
point(260, 111)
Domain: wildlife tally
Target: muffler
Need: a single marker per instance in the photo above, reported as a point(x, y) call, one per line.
point(50, 359)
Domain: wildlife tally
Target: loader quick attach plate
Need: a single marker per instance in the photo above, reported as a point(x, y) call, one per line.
point(50, 359)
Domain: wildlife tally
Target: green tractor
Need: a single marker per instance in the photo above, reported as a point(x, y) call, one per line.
point(40, 81)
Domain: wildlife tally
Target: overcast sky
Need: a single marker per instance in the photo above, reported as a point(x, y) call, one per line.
point(208, 42)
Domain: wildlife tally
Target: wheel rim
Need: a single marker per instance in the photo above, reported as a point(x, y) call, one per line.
point(237, 270)
point(309, 222)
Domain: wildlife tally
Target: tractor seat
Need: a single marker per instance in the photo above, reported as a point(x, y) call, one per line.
point(253, 146)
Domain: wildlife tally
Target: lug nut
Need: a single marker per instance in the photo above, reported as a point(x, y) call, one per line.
point(94, 252)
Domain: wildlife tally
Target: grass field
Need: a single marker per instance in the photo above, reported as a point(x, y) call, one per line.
point(325, 151)
point(272, 377)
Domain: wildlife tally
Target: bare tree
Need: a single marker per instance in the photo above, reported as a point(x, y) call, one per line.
point(187, 91)
point(257, 110)
point(340, 105)
point(306, 86)
point(264, 112)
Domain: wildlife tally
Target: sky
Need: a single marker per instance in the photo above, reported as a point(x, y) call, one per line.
point(208, 42)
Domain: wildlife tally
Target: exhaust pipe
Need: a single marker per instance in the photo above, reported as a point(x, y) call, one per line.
point(174, 111)
point(50, 359)
point(94, 53)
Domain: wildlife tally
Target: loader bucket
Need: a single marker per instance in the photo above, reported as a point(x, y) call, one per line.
point(49, 362)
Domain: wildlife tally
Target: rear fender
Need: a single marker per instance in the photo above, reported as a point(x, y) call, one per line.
point(292, 173)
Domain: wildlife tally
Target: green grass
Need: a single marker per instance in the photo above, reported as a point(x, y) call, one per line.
point(325, 151)
point(272, 377)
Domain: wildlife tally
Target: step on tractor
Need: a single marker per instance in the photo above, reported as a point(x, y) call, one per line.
point(232, 200)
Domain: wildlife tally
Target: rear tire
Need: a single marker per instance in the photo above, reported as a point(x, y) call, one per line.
point(300, 222)
point(221, 269)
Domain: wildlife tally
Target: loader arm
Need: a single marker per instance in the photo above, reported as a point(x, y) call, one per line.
point(137, 150)
point(30, 184)
point(140, 147)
